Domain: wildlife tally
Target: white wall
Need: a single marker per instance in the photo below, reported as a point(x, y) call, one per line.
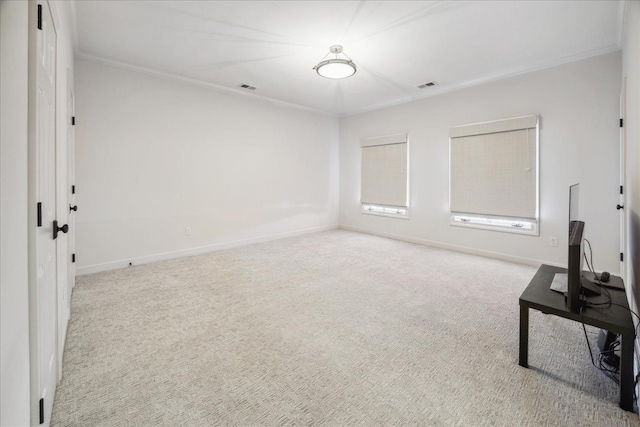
point(14, 296)
point(155, 155)
point(631, 70)
point(578, 104)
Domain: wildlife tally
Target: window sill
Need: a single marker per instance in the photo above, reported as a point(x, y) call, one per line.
point(388, 211)
point(505, 225)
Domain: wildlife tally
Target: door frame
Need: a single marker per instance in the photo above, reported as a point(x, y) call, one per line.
point(624, 217)
point(70, 201)
point(71, 177)
point(62, 215)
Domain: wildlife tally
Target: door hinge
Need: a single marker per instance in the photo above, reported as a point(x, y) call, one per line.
point(73, 189)
point(73, 120)
point(73, 257)
point(39, 214)
point(621, 257)
point(621, 190)
point(39, 16)
point(41, 403)
point(621, 122)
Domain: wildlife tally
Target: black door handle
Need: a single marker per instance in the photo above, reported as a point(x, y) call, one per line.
point(64, 229)
point(73, 208)
point(619, 207)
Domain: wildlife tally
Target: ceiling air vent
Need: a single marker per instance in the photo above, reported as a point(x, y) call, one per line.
point(245, 86)
point(422, 86)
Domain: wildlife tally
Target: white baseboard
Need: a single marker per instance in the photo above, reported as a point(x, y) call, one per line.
point(440, 245)
point(96, 268)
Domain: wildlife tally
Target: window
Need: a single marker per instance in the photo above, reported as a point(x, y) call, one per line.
point(384, 189)
point(494, 175)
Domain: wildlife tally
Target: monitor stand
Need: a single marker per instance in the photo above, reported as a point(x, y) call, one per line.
point(589, 288)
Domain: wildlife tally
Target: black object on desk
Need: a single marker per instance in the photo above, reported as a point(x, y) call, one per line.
point(614, 318)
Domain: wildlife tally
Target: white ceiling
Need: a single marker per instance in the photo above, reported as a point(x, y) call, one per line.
point(396, 45)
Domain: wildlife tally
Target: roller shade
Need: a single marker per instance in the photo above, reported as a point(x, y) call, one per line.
point(384, 170)
point(505, 125)
point(493, 169)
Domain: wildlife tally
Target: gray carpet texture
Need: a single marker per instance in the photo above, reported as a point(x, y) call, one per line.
point(333, 328)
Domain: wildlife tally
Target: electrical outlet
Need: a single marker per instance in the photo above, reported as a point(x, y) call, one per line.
point(187, 231)
point(553, 241)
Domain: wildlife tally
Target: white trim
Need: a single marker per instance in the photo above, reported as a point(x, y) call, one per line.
point(372, 141)
point(486, 79)
point(56, 19)
point(455, 248)
point(387, 214)
point(32, 213)
point(96, 268)
point(74, 24)
point(502, 224)
point(622, 21)
point(200, 83)
point(538, 175)
point(494, 126)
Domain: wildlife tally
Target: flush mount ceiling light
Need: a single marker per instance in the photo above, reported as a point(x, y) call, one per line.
point(336, 68)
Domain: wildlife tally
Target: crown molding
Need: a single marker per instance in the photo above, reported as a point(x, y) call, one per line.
point(490, 79)
point(201, 83)
point(404, 100)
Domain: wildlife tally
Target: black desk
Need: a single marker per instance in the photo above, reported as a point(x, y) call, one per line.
point(614, 318)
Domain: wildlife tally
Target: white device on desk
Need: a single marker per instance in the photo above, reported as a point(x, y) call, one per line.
point(559, 283)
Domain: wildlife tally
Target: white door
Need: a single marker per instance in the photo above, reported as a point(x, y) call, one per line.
point(71, 159)
point(623, 171)
point(46, 257)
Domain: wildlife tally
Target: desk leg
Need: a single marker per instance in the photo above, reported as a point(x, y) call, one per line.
point(524, 336)
point(626, 373)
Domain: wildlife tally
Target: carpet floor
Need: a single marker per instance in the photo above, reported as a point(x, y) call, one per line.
point(333, 328)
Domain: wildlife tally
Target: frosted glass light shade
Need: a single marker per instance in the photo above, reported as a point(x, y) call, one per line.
point(336, 68)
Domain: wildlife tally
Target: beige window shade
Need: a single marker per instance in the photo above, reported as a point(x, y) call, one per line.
point(495, 172)
point(397, 138)
point(384, 170)
point(524, 122)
